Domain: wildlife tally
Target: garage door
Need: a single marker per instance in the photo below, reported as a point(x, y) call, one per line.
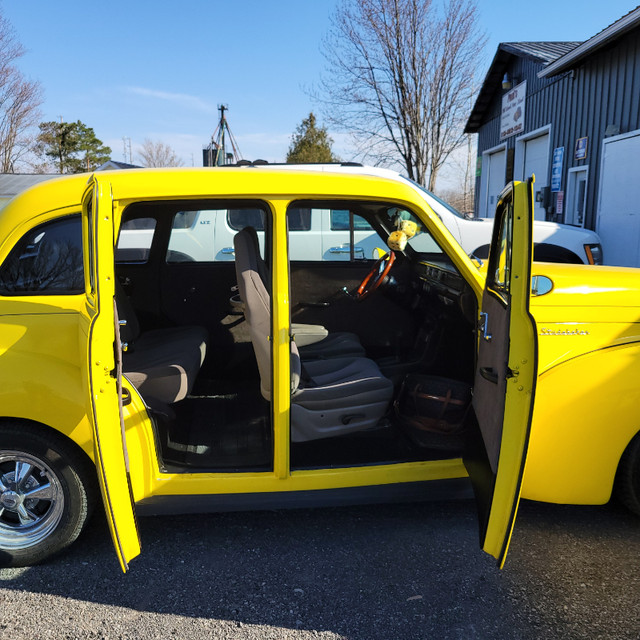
point(619, 201)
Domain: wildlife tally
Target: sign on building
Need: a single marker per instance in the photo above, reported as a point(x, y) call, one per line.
point(512, 114)
point(581, 148)
point(556, 169)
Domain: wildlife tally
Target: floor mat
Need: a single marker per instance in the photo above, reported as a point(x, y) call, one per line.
point(224, 431)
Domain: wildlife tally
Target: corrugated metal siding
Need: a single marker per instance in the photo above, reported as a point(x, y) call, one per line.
point(604, 90)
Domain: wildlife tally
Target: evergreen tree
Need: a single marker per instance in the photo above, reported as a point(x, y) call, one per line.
point(72, 146)
point(310, 143)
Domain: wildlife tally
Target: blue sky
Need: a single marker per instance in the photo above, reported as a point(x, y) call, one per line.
point(143, 69)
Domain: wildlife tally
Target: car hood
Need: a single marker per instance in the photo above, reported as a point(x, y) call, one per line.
point(590, 286)
point(543, 231)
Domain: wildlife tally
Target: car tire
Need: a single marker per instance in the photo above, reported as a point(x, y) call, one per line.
point(47, 493)
point(628, 477)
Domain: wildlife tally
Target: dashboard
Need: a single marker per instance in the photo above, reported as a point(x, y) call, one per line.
point(442, 280)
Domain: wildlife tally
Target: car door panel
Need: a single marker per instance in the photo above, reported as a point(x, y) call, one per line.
point(506, 372)
point(104, 377)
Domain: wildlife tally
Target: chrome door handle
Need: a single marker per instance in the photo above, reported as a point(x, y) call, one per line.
point(359, 251)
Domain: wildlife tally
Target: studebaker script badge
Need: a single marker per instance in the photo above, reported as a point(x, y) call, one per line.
point(563, 332)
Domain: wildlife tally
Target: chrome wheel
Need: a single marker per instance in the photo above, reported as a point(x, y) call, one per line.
point(31, 500)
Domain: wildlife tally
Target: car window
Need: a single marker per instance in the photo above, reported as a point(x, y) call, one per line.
point(299, 219)
point(89, 230)
point(322, 233)
point(417, 235)
point(134, 242)
point(46, 260)
point(340, 221)
point(238, 219)
point(500, 264)
point(206, 235)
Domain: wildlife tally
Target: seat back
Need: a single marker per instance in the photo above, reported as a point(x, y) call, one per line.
point(263, 270)
point(257, 310)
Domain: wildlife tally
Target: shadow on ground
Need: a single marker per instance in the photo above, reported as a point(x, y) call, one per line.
point(395, 571)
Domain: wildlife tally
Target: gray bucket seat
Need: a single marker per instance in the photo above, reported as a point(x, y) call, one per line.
point(330, 397)
point(313, 341)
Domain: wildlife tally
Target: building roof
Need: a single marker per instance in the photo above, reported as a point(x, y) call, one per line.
point(544, 52)
point(608, 35)
point(115, 164)
point(541, 52)
point(13, 183)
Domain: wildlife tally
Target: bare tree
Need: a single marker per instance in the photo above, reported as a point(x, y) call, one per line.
point(399, 77)
point(19, 102)
point(158, 154)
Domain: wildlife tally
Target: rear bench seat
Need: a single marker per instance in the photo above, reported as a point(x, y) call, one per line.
point(162, 363)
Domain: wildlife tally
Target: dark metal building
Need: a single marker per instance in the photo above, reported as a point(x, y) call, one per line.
point(570, 113)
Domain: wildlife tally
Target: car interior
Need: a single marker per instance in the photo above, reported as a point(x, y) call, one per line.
point(197, 347)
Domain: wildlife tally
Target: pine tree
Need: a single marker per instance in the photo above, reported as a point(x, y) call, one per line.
point(310, 143)
point(73, 146)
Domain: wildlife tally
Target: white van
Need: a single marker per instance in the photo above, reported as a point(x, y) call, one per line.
point(324, 234)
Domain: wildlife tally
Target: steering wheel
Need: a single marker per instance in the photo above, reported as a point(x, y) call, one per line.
point(376, 276)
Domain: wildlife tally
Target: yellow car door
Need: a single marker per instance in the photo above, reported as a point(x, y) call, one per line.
point(506, 372)
point(104, 373)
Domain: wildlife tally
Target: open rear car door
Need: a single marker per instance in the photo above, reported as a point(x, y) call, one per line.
point(506, 372)
point(104, 373)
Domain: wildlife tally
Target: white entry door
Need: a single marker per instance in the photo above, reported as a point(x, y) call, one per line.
point(536, 161)
point(619, 200)
point(576, 196)
point(495, 168)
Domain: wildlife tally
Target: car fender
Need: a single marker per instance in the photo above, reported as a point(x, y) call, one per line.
point(572, 459)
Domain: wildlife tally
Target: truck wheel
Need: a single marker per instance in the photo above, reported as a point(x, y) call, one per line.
point(47, 493)
point(628, 477)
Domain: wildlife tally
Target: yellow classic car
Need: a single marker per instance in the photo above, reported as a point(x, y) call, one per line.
point(180, 383)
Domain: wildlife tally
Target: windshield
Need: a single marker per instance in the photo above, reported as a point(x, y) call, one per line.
point(410, 231)
point(432, 196)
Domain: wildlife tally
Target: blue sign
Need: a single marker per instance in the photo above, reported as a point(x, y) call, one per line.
point(556, 169)
point(581, 148)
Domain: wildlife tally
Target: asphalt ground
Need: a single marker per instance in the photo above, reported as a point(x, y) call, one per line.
point(396, 571)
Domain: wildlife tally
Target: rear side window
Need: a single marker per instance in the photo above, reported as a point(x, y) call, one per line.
point(297, 219)
point(238, 219)
point(206, 234)
point(46, 260)
point(134, 242)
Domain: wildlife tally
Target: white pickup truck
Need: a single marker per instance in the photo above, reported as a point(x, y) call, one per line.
point(207, 236)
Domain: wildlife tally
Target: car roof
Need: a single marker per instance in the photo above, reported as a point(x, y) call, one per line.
point(304, 181)
point(307, 181)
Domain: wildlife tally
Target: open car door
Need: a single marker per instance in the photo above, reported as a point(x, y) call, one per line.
point(506, 372)
point(104, 373)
